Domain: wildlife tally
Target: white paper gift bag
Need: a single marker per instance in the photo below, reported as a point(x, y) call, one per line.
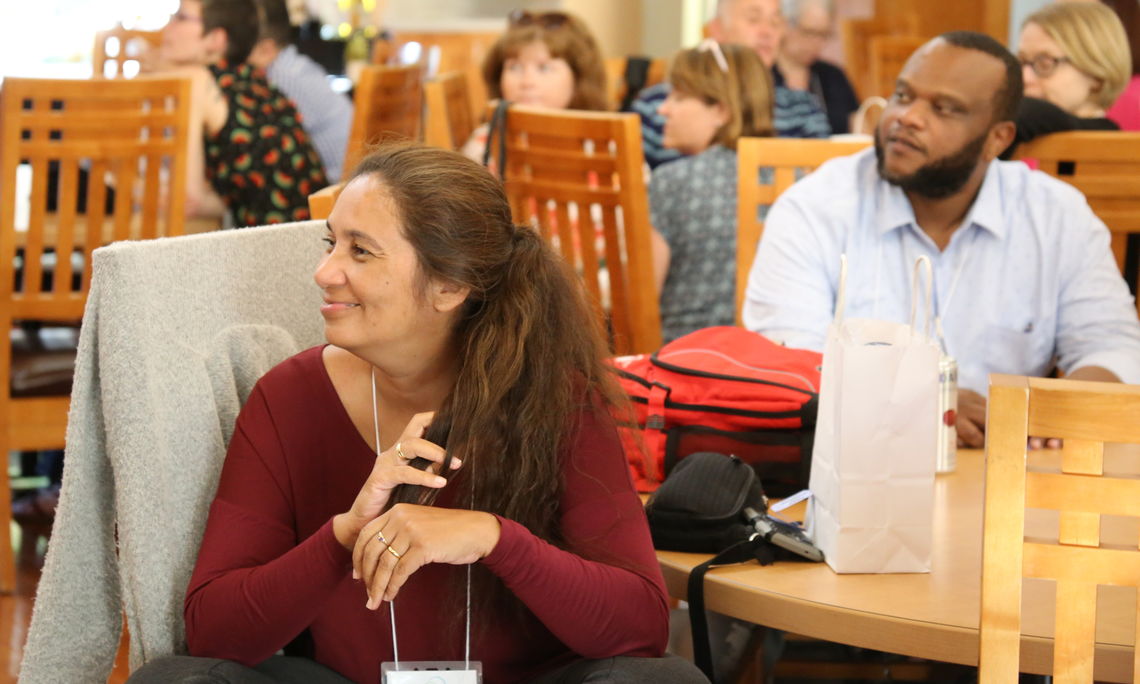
point(872, 470)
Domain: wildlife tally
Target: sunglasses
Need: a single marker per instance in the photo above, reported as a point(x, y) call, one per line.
point(1042, 65)
point(546, 20)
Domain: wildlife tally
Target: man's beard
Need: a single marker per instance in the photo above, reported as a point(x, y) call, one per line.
point(939, 178)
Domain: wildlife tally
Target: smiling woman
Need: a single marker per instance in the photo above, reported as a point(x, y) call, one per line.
point(461, 415)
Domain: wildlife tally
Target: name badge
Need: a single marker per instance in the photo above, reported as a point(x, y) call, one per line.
point(432, 672)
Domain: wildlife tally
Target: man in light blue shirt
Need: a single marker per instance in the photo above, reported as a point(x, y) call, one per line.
point(1024, 279)
point(326, 115)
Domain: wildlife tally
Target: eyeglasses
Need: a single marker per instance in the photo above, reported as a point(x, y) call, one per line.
point(710, 45)
point(1043, 65)
point(546, 20)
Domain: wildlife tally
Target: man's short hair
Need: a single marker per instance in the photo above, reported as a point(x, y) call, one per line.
point(793, 9)
point(275, 24)
point(238, 18)
point(1008, 97)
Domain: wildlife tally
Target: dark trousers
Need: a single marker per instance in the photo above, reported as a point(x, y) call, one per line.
point(291, 670)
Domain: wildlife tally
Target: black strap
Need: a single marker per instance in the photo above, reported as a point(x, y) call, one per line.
point(498, 127)
point(636, 74)
point(698, 620)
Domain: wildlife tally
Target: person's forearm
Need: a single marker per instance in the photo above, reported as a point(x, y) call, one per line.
point(1093, 373)
point(248, 614)
point(597, 610)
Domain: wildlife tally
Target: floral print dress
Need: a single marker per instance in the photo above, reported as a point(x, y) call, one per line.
point(261, 162)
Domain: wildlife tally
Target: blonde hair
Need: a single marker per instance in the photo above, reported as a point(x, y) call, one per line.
point(1094, 41)
point(745, 89)
point(569, 40)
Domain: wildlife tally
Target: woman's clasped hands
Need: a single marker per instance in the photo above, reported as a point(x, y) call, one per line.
point(389, 548)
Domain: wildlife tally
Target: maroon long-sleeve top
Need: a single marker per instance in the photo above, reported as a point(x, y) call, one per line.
point(270, 567)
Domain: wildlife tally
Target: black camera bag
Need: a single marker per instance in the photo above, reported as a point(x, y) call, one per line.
point(700, 509)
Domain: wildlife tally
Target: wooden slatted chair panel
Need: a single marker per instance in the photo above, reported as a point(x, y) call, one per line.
point(1086, 415)
point(449, 118)
point(455, 51)
point(388, 103)
point(888, 56)
point(766, 167)
point(578, 178)
point(1105, 166)
point(857, 35)
point(127, 139)
point(117, 51)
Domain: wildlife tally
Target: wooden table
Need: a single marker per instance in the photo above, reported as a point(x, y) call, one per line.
point(933, 615)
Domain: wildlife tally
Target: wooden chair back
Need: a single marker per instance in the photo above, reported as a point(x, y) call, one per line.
point(117, 51)
point(1105, 166)
point(457, 51)
point(1085, 415)
point(449, 120)
point(321, 202)
point(857, 35)
point(615, 78)
point(125, 134)
point(389, 104)
point(577, 177)
point(766, 167)
point(888, 56)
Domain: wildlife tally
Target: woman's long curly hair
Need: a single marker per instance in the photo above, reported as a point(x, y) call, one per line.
point(531, 347)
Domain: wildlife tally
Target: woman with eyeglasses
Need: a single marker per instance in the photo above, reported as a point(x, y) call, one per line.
point(548, 59)
point(718, 94)
point(1075, 63)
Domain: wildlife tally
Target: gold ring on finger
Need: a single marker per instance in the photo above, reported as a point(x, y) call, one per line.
point(400, 452)
point(395, 553)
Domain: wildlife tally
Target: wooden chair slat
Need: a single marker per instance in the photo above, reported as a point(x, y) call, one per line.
point(450, 121)
point(1081, 564)
point(1108, 415)
point(1003, 525)
point(68, 189)
point(1074, 637)
point(1083, 493)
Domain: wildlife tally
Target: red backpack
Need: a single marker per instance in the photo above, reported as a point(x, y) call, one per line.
point(727, 390)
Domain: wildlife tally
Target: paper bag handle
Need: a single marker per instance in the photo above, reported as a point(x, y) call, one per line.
point(922, 265)
point(841, 294)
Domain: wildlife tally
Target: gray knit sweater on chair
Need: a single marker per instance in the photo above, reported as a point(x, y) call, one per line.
point(175, 334)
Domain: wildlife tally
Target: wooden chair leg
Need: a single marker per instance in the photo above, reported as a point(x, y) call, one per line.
point(7, 557)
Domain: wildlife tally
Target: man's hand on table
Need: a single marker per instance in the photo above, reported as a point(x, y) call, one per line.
point(971, 419)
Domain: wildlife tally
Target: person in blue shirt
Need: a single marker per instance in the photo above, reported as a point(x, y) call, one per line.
point(758, 24)
point(1024, 279)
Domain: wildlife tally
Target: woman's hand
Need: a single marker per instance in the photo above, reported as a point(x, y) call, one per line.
point(408, 537)
point(390, 470)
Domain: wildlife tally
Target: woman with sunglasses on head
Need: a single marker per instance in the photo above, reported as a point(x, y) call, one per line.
point(718, 94)
point(546, 60)
point(443, 480)
point(1075, 61)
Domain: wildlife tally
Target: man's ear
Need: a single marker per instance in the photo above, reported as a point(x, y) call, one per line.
point(447, 296)
point(1000, 137)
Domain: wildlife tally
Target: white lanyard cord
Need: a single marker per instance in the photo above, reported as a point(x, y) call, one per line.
point(392, 603)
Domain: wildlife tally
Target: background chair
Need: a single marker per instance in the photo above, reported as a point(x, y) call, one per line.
point(1079, 558)
point(388, 103)
point(444, 51)
point(175, 334)
point(1105, 166)
point(126, 141)
point(888, 56)
point(449, 119)
point(765, 168)
point(616, 86)
point(117, 51)
point(577, 178)
point(857, 35)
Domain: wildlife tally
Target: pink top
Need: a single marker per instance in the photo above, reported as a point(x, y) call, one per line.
point(270, 568)
point(1126, 111)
